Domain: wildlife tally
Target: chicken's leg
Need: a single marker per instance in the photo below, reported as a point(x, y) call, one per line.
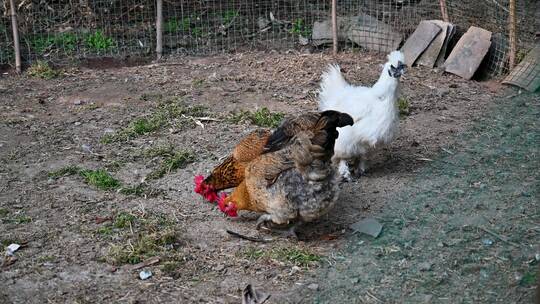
point(262, 220)
point(344, 171)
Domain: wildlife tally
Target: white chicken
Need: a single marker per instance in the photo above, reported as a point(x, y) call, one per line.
point(374, 111)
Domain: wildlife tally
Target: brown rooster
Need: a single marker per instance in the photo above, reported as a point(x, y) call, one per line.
point(293, 180)
point(230, 173)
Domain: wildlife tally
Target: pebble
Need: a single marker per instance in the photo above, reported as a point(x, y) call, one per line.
point(487, 242)
point(424, 266)
point(313, 286)
point(145, 274)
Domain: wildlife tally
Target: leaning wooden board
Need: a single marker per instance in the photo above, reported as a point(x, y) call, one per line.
point(527, 73)
point(419, 41)
point(437, 49)
point(468, 52)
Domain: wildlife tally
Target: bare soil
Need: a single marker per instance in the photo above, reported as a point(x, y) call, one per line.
point(70, 228)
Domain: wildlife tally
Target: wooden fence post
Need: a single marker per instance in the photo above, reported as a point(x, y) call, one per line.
point(444, 10)
point(512, 34)
point(159, 28)
point(334, 27)
point(15, 36)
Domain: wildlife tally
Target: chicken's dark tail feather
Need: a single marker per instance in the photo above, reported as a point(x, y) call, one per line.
point(314, 122)
point(327, 128)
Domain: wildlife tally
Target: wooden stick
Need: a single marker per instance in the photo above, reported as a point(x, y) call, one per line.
point(15, 36)
point(249, 238)
point(500, 237)
point(444, 10)
point(512, 34)
point(159, 28)
point(334, 26)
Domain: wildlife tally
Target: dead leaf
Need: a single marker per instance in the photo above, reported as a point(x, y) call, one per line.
point(100, 220)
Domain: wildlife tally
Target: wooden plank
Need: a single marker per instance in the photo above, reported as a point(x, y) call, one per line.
point(527, 73)
point(451, 31)
point(468, 52)
point(430, 55)
point(419, 41)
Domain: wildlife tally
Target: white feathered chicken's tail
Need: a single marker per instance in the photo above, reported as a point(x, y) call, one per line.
point(331, 84)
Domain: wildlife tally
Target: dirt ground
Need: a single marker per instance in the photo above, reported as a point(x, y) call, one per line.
point(81, 241)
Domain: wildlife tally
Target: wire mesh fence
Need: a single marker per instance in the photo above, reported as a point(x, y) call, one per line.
point(72, 29)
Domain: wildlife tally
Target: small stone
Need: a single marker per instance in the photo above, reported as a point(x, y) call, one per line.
point(86, 148)
point(424, 266)
point(112, 269)
point(487, 242)
point(12, 248)
point(219, 267)
point(78, 102)
point(145, 274)
point(313, 286)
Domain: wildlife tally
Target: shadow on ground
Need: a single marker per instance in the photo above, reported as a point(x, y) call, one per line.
point(465, 230)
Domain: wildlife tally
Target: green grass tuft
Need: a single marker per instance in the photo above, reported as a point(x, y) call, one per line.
point(138, 190)
point(69, 170)
point(176, 161)
point(98, 42)
point(163, 150)
point(529, 279)
point(43, 70)
point(3, 212)
point(123, 220)
point(145, 245)
point(299, 27)
point(262, 117)
point(106, 230)
point(166, 112)
point(403, 106)
point(100, 179)
point(22, 219)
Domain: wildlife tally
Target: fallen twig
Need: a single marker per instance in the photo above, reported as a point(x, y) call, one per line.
point(447, 151)
point(146, 263)
point(249, 238)
point(500, 237)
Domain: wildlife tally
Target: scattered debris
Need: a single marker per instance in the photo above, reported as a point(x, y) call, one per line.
point(12, 248)
point(249, 238)
point(468, 52)
point(419, 41)
point(527, 73)
point(368, 226)
point(146, 263)
point(145, 274)
point(252, 296)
